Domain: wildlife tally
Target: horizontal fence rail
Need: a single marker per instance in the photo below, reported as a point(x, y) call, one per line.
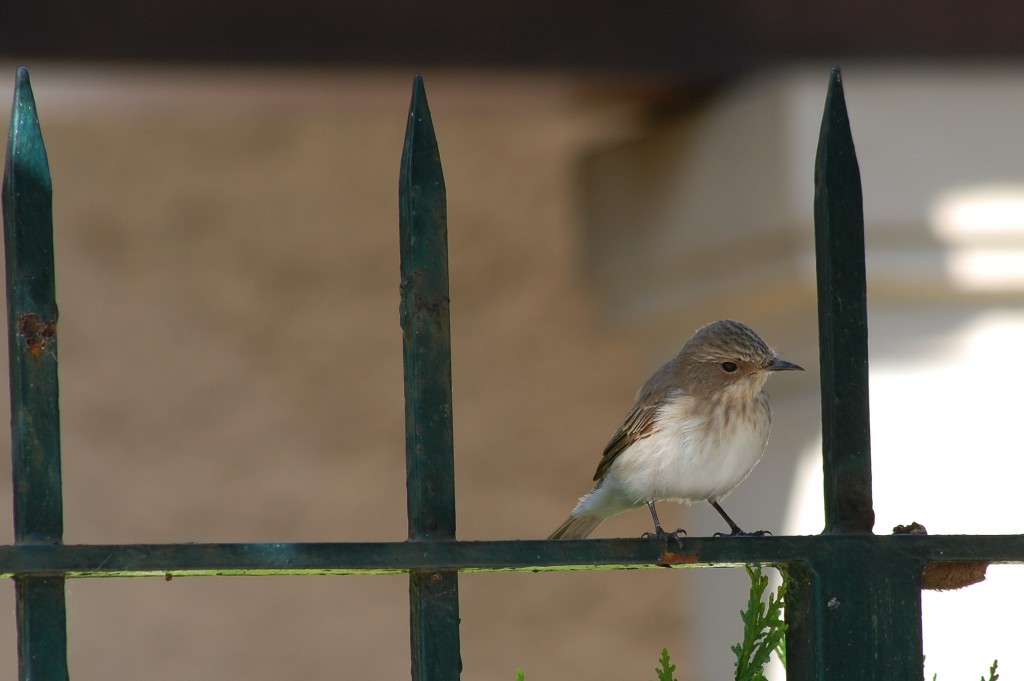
point(160, 560)
point(854, 599)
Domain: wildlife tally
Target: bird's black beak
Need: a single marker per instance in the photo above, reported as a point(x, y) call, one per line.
point(782, 365)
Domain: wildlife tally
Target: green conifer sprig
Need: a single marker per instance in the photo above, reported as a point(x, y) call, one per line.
point(666, 668)
point(764, 629)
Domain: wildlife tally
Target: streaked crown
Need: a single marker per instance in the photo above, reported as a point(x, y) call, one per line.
point(727, 340)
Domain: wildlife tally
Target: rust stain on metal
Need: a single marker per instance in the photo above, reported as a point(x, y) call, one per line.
point(669, 558)
point(944, 575)
point(37, 333)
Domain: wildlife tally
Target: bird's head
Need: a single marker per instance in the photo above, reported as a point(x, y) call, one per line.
point(726, 361)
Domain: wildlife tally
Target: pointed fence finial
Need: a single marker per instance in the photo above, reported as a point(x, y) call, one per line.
point(842, 320)
point(430, 460)
point(32, 358)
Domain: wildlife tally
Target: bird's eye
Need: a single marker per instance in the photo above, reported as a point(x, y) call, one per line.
point(729, 367)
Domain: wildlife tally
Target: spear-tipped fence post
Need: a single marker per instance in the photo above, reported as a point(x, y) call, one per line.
point(430, 465)
point(35, 419)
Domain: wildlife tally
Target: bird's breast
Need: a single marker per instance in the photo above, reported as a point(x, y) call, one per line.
point(694, 454)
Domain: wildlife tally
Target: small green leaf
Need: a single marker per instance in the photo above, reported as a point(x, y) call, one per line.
point(664, 672)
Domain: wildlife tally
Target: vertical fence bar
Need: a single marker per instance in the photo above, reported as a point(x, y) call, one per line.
point(430, 465)
point(842, 321)
point(854, 614)
point(804, 633)
point(35, 420)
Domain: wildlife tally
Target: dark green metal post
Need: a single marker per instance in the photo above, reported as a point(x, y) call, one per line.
point(842, 321)
point(35, 419)
point(853, 613)
point(430, 461)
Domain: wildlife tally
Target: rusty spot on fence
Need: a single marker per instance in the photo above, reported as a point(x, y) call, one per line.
point(944, 575)
point(912, 528)
point(669, 558)
point(37, 333)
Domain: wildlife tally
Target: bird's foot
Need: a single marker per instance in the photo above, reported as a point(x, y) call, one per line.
point(662, 535)
point(737, 532)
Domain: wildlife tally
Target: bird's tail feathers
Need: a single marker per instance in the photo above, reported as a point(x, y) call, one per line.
point(576, 527)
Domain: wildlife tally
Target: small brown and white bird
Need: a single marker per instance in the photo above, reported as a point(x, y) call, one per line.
point(699, 426)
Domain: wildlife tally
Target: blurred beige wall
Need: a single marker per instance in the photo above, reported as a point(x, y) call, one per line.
point(227, 271)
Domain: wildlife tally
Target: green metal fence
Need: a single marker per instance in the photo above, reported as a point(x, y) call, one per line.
point(854, 601)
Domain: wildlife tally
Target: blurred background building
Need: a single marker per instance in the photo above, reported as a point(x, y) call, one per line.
point(225, 188)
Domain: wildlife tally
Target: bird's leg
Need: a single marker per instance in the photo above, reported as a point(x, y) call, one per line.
point(735, 529)
point(659, 533)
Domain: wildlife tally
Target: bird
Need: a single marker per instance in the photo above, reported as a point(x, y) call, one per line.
point(699, 426)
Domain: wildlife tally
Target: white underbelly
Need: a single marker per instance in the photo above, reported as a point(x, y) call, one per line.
point(680, 464)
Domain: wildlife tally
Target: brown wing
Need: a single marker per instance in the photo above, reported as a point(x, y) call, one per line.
point(638, 425)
